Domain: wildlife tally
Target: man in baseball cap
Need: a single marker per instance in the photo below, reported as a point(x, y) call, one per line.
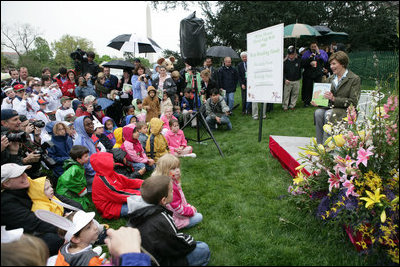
point(10, 119)
point(13, 176)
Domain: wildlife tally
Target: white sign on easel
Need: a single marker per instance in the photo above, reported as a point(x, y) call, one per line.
point(265, 65)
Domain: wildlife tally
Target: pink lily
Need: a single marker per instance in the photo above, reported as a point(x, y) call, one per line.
point(335, 179)
point(350, 188)
point(363, 156)
point(344, 163)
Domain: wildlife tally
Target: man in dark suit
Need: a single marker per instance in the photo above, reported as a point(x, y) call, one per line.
point(242, 69)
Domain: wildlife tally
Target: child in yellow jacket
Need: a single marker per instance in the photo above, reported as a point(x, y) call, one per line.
point(41, 193)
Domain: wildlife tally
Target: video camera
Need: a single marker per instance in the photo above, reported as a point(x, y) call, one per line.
point(79, 54)
point(42, 150)
point(147, 77)
point(97, 108)
point(38, 124)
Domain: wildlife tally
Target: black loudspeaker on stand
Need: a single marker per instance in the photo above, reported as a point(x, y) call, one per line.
point(192, 44)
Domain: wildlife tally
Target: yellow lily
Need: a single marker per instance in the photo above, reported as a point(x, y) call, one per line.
point(321, 148)
point(312, 153)
point(373, 198)
point(299, 178)
point(328, 140)
point(362, 135)
point(327, 128)
point(383, 216)
point(339, 140)
point(300, 167)
point(380, 111)
point(314, 140)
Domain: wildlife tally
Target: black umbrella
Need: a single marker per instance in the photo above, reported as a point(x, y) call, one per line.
point(221, 51)
point(331, 37)
point(134, 43)
point(119, 64)
point(322, 29)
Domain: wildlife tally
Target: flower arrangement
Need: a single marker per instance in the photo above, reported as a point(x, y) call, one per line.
point(356, 174)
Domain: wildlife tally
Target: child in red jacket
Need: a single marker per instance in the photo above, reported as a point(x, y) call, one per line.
point(110, 189)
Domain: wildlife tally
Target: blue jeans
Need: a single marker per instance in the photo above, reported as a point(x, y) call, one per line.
point(200, 256)
point(230, 99)
point(124, 210)
point(224, 120)
point(195, 219)
point(138, 166)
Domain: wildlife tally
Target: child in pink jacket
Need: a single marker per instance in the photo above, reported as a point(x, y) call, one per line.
point(184, 214)
point(177, 143)
point(166, 118)
point(135, 155)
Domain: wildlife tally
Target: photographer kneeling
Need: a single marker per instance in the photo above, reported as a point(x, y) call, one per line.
point(12, 138)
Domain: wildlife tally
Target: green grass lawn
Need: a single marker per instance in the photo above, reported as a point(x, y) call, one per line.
point(248, 217)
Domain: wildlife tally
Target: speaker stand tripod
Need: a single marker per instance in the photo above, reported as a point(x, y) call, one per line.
point(200, 119)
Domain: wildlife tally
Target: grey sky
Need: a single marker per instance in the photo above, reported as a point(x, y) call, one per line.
point(107, 20)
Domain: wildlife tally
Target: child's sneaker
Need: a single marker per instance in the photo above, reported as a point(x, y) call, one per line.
point(192, 155)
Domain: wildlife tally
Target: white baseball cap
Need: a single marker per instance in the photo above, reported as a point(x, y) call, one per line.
point(80, 220)
point(10, 235)
point(301, 49)
point(12, 170)
point(97, 124)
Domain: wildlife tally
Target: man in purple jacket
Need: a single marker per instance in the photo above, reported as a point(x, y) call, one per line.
point(313, 62)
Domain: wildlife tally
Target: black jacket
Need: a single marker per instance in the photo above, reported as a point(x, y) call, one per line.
point(211, 84)
point(242, 73)
point(228, 79)
point(16, 213)
point(292, 69)
point(169, 86)
point(160, 237)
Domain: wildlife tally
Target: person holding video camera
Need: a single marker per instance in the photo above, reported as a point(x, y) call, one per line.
point(140, 82)
point(32, 129)
point(11, 139)
point(313, 62)
point(84, 62)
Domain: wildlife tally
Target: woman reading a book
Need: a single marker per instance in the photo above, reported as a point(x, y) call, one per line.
point(345, 91)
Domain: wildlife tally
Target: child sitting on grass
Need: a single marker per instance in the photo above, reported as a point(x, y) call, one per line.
point(156, 145)
point(165, 103)
point(160, 236)
point(140, 112)
point(111, 189)
point(184, 214)
point(152, 104)
point(166, 117)
point(143, 131)
point(72, 183)
point(109, 128)
point(177, 142)
point(78, 250)
point(41, 193)
point(135, 154)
